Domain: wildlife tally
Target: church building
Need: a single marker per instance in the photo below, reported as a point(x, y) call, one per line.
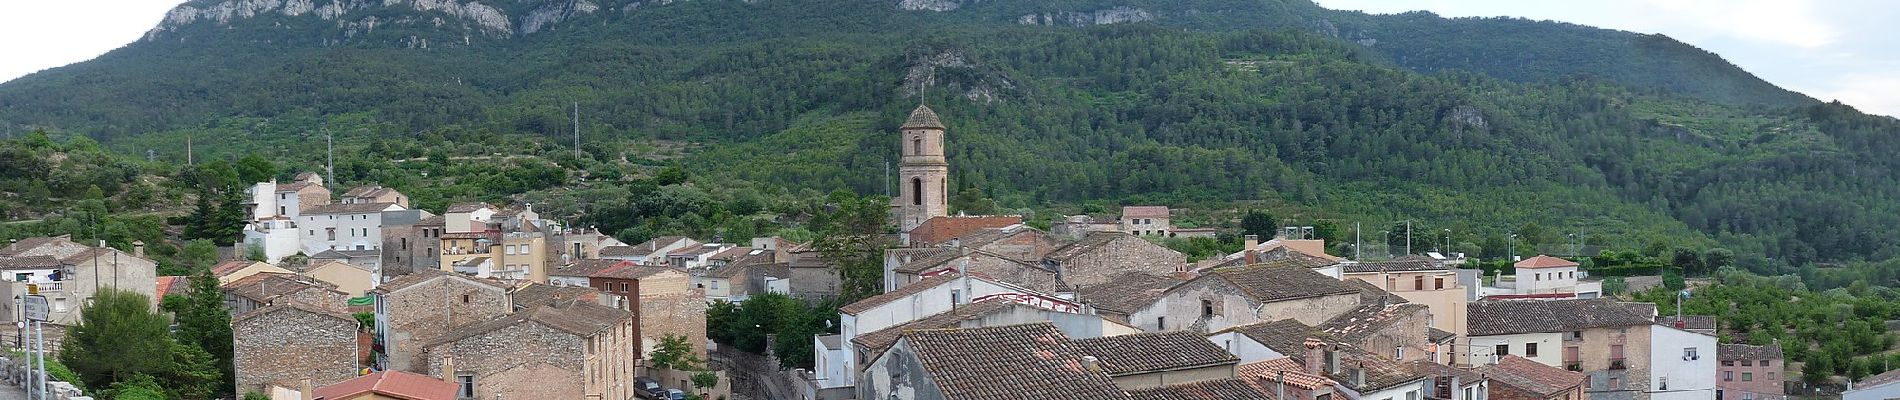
point(925, 186)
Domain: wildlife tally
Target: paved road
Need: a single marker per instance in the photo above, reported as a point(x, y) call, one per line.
point(9, 392)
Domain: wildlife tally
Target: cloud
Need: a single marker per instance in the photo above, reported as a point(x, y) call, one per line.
point(1870, 93)
point(1787, 22)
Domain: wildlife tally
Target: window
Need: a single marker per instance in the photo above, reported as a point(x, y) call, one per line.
point(1530, 349)
point(464, 386)
point(1728, 376)
point(1207, 308)
point(1572, 354)
point(405, 243)
point(1767, 363)
point(1161, 323)
point(956, 295)
point(1398, 352)
point(59, 304)
point(1689, 353)
point(1745, 363)
point(916, 146)
point(1574, 335)
point(1748, 395)
point(23, 277)
point(1438, 283)
point(281, 211)
point(1662, 383)
point(331, 232)
point(465, 299)
point(1537, 276)
point(524, 249)
point(1503, 350)
point(1616, 383)
point(916, 191)
point(1412, 395)
point(1728, 363)
point(1771, 375)
point(508, 249)
point(1748, 377)
point(1418, 283)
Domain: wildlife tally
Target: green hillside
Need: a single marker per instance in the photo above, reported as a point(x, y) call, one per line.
point(1484, 126)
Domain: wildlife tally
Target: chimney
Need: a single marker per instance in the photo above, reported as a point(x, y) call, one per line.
point(1359, 376)
point(1279, 387)
point(138, 248)
point(1680, 324)
point(1091, 363)
point(1252, 241)
point(1252, 256)
point(1313, 354)
point(306, 392)
point(448, 370)
point(1332, 361)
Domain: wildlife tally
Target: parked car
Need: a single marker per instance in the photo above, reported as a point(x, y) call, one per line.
point(647, 388)
point(675, 394)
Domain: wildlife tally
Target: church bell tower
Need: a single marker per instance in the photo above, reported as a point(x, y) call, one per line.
point(924, 174)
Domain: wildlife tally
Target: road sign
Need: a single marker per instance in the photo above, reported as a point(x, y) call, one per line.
point(36, 309)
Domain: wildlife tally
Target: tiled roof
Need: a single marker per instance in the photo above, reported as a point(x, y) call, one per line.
point(642, 249)
point(1390, 266)
point(1690, 322)
point(172, 284)
point(1215, 389)
point(262, 287)
point(1090, 242)
point(1543, 261)
point(1748, 352)
point(1369, 293)
point(1466, 376)
point(368, 191)
point(1154, 351)
point(435, 220)
point(228, 267)
point(941, 229)
point(1286, 336)
point(1486, 318)
point(1273, 282)
point(1127, 292)
point(32, 243)
point(1296, 375)
point(1878, 380)
point(579, 318)
point(1369, 319)
point(733, 253)
point(96, 252)
point(587, 267)
point(1030, 361)
point(1532, 376)
point(921, 259)
point(422, 275)
point(324, 310)
point(629, 271)
point(396, 384)
point(294, 186)
point(882, 339)
point(29, 262)
point(538, 294)
point(922, 117)
point(341, 208)
point(467, 207)
point(1144, 212)
point(1438, 335)
point(894, 295)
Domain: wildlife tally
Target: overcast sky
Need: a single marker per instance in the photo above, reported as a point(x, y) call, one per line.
point(1845, 49)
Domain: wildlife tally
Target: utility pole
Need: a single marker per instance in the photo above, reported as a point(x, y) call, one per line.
point(329, 155)
point(187, 150)
point(887, 175)
point(1408, 237)
point(577, 131)
point(1355, 241)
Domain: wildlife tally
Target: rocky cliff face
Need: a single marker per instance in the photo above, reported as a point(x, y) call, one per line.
point(356, 18)
point(1116, 15)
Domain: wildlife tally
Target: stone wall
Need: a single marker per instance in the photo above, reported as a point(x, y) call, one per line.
point(426, 310)
point(1122, 255)
point(522, 361)
point(1311, 311)
point(682, 314)
point(284, 345)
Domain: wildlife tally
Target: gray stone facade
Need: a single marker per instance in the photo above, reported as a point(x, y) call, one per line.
point(285, 343)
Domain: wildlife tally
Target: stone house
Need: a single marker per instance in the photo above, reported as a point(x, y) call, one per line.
point(387, 385)
point(1398, 330)
point(660, 299)
point(942, 229)
point(428, 304)
point(1155, 359)
point(410, 241)
point(290, 341)
point(374, 194)
point(264, 289)
point(1620, 348)
point(1125, 294)
point(68, 273)
point(812, 278)
point(1519, 378)
point(1103, 255)
point(1357, 372)
point(1238, 296)
point(579, 244)
point(1146, 220)
point(1419, 282)
point(573, 350)
point(1012, 254)
point(576, 273)
point(627, 283)
point(1750, 372)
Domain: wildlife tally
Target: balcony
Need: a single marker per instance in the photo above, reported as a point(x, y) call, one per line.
point(1618, 364)
point(1573, 366)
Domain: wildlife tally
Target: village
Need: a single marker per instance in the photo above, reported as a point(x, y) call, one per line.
point(359, 296)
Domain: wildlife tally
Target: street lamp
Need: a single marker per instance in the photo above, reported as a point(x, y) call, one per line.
point(1447, 249)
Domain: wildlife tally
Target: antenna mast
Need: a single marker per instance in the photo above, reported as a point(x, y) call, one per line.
point(577, 131)
point(329, 155)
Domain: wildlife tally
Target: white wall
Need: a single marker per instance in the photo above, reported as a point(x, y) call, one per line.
point(1546, 280)
point(828, 367)
point(1244, 347)
point(1550, 348)
point(279, 238)
point(1688, 379)
point(1399, 392)
point(1882, 392)
point(928, 302)
point(361, 231)
point(558, 280)
point(264, 196)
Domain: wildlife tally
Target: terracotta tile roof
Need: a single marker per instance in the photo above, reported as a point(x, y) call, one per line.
point(923, 117)
point(1296, 375)
point(1532, 376)
point(882, 339)
point(1144, 212)
point(1216, 389)
point(228, 267)
point(579, 318)
point(1690, 322)
point(537, 294)
point(1154, 351)
point(172, 284)
point(942, 229)
point(1126, 293)
point(1486, 318)
point(341, 208)
point(629, 271)
point(1466, 376)
point(294, 186)
point(1276, 282)
point(1369, 319)
point(1369, 293)
point(1390, 266)
point(1439, 335)
point(29, 262)
point(396, 384)
point(1030, 361)
point(97, 252)
point(32, 243)
point(1088, 244)
point(922, 259)
point(1543, 261)
point(367, 191)
point(423, 275)
point(1286, 336)
point(644, 248)
point(894, 295)
point(328, 311)
point(1748, 352)
point(588, 267)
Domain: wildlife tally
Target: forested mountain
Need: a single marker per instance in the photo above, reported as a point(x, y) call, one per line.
point(1481, 125)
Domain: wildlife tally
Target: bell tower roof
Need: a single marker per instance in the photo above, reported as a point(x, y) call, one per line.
point(923, 117)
